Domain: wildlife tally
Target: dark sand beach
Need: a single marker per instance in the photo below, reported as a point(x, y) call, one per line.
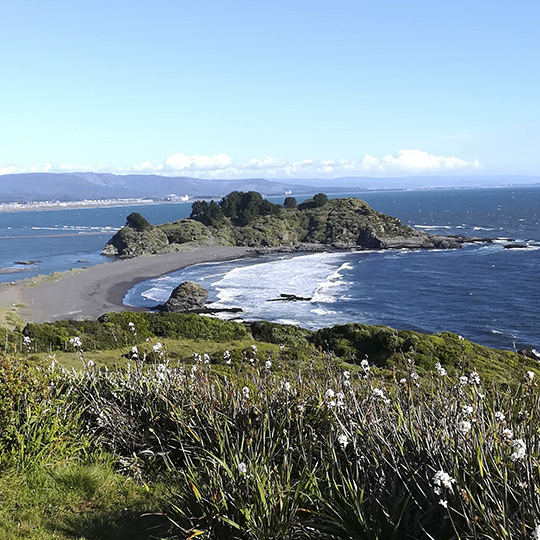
point(99, 289)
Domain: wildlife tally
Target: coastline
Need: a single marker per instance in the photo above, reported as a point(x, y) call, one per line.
point(93, 291)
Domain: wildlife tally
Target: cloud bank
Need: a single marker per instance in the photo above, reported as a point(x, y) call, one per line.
point(403, 163)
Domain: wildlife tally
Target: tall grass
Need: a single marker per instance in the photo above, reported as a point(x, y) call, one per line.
point(251, 451)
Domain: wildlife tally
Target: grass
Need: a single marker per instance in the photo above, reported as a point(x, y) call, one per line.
point(264, 443)
point(75, 500)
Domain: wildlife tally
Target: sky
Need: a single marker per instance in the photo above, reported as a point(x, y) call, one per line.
point(275, 89)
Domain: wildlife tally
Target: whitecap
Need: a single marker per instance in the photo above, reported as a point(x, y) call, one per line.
point(322, 311)
point(432, 227)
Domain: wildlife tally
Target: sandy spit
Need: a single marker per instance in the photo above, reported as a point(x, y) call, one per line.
point(100, 288)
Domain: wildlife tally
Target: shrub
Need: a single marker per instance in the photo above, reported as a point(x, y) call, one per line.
point(138, 222)
point(290, 202)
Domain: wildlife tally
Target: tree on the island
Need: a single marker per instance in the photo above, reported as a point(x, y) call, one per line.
point(209, 213)
point(320, 199)
point(137, 222)
point(290, 202)
point(230, 203)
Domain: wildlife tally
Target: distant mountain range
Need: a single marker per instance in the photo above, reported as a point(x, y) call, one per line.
point(38, 187)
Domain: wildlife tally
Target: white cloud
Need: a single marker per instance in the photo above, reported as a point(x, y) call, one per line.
point(182, 162)
point(404, 162)
point(414, 161)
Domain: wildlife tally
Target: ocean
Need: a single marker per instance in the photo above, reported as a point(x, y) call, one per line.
point(484, 292)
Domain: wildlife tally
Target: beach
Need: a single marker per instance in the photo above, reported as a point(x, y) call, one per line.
point(89, 293)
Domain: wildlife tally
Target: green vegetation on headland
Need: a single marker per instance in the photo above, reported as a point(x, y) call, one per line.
point(247, 219)
point(181, 426)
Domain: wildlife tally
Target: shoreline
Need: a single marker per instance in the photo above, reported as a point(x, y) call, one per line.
point(89, 293)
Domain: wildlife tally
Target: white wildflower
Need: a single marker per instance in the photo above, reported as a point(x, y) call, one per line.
point(403, 381)
point(463, 380)
point(332, 403)
point(75, 342)
point(440, 370)
point(443, 479)
point(157, 347)
point(530, 376)
point(254, 349)
point(90, 364)
point(343, 440)
point(467, 409)
point(268, 364)
point(519, 450)
point(301, 408)
point(415, 376)
point(461, 338)
point(474, 378)
point(242, 468)
point(378, 393)
point(507, 434)
point(499, 416)
point(287, 386)
point(252, 360)
point(27, 341)
point(443, 502)
point(364, 364)
point(536, 532)
point(465, 427)
point(245, 392)
point(131, 326)
point(227, 357)
point(206, 358)
point(329, 394)
point(346, 375)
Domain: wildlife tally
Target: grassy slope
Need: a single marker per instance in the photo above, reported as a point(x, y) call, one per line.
point(109, 341)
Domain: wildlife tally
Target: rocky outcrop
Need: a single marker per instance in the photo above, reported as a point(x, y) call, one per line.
point(188, 296)
point(131, 242)
point(339, 223)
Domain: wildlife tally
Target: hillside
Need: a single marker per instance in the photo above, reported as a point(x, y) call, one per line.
point(246, 219)
point(35, 187)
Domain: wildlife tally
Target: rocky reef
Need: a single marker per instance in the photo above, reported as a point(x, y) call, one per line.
point(347, 223)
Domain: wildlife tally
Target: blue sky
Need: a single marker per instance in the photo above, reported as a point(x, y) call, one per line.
point(271, 88)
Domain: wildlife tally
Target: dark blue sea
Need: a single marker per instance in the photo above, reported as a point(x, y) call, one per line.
point(484, 292)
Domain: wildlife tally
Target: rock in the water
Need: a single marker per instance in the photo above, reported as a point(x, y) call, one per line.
point(529, 352)
point(188, 296)
point(284, 297)
point(516, 246)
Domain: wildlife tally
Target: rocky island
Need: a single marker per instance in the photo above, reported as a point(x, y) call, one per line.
point(249, 220)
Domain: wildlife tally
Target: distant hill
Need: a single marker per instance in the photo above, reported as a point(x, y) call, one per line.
point(79, 186)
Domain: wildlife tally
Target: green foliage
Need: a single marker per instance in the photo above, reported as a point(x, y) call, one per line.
point(138, 222)
point(290, 202)
point(318, 201)
point(185, 230)
point(253, 449)
point(209, 213)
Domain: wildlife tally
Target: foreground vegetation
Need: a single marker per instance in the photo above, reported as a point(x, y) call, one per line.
point(265, 435)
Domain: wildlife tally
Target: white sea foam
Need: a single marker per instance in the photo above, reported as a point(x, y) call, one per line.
point(432, 227)
point(322, 311)
point(156, 293)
